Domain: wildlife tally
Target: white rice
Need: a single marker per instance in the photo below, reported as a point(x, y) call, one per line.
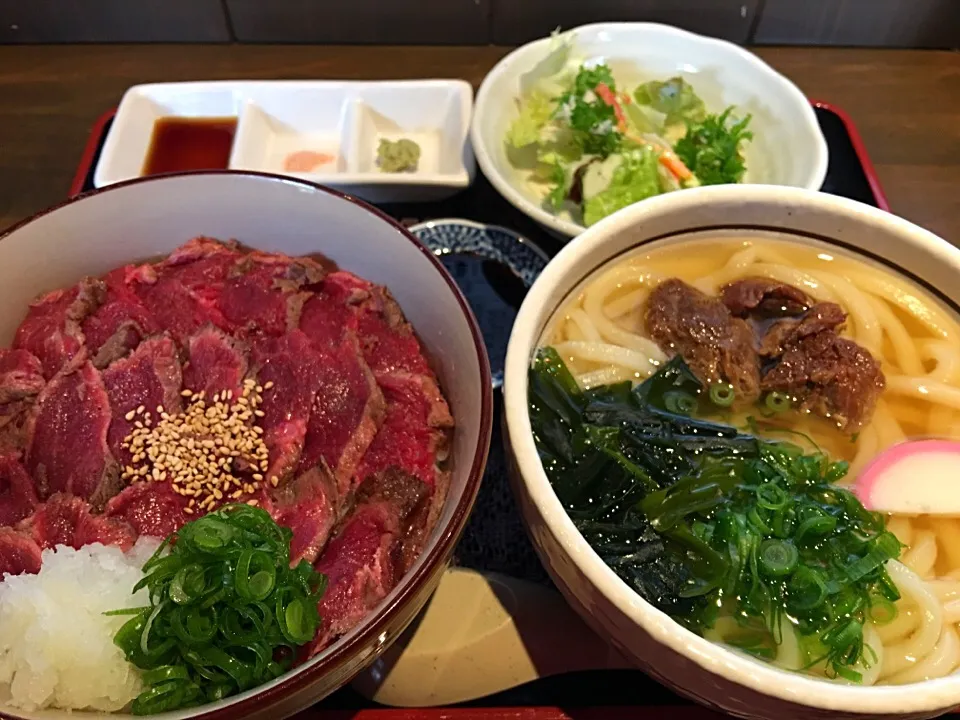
point(56, 645)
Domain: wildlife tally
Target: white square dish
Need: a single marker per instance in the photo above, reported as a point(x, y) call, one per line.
point(324, 131)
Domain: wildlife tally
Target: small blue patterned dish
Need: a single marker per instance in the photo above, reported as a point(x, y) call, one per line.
point(494, 268)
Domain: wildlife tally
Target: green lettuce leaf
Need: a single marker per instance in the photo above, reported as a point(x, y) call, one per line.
point(635, 179)
point(675, 98)
point(535, 112)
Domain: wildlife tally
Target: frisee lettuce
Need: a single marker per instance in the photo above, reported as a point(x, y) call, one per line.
point(635, 179)
point(711, 149)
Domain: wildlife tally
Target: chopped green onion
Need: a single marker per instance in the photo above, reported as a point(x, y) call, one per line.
point(680, 402)
point(778, 557)
point(882, 611)
point(807, 589)
point(777, 402)
point(722, 394)
point(226, 610)
point(771, 497)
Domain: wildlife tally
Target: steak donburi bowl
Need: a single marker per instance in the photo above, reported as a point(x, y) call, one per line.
point(731, 420)
point(244, 420)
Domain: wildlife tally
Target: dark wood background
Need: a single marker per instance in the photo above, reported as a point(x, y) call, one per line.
point(866, 23)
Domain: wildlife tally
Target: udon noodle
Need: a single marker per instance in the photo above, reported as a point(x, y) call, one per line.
point(601, 336)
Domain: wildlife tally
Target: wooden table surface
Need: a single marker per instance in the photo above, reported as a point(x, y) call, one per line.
point(906, 104)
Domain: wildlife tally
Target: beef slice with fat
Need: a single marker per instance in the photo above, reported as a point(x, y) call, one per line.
point(21, 375)
point(264, 292)
point(121, 322)
point(68, 451)
point(52, 330)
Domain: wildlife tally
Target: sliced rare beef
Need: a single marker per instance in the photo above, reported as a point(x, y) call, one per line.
point(345, 303)
point(764, 298)
point(121, 322)
point(21, 375)
point(295, 368)
point(366, 558)
point(150, 508)
point(717, 346)
point(309, 506)
point(67, 520)
point(18, 496)
point(217, 363)
point(52, 329)
point(149, 377)
point(68, 450)
point(414, 433)
point(21, 380)
point(333, 309)
point(183, 291)
point(264, 292)
point(348, 409)
point(824, 373)
point(18, 553)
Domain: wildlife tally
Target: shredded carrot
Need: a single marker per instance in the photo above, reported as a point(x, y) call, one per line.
point(675, 165)
point(625, 98)
point(607, 95)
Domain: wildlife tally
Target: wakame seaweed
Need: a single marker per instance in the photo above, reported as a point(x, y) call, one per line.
point(703, 519)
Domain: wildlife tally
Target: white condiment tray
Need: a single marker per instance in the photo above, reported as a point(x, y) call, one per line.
point(342, 119)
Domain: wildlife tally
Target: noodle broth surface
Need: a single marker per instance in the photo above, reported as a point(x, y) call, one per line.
point(600, 334)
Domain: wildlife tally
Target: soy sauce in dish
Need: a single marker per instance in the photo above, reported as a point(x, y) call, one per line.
point(193, 143)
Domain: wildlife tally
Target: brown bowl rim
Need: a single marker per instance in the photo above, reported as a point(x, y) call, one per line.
point(409, 584)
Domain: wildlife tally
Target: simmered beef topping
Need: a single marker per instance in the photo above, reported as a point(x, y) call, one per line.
point(764, 298)
point(717, 346)
point(764, 336)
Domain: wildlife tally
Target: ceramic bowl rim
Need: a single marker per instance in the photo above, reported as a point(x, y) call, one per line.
point(927, 696)
point(410, 585)
point(568, 228)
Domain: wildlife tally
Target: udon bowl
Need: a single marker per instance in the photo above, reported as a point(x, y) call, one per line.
point(142, 219)
point(704, 671)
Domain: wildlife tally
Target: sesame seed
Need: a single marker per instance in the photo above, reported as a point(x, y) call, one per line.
point(129, 415)
point(186, 393)
point(268, 385)
point(140, 410)
point(252, 502)
point(274, 481)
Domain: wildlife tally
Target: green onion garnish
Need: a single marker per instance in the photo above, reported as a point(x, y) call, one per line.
point(722, 394)
point(226, 613)
point(778, 557)
point(680, 402)
point(777, 402)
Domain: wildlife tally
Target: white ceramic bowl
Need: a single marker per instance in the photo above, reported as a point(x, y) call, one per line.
point(675, 656)
point(787, 149)
point(142, 219)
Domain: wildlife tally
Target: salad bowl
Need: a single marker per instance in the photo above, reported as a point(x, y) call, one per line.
point(666, 83)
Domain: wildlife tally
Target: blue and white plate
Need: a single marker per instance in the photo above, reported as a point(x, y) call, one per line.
point(494, 268)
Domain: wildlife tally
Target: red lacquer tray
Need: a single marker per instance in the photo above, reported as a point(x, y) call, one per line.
point(599, 695)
